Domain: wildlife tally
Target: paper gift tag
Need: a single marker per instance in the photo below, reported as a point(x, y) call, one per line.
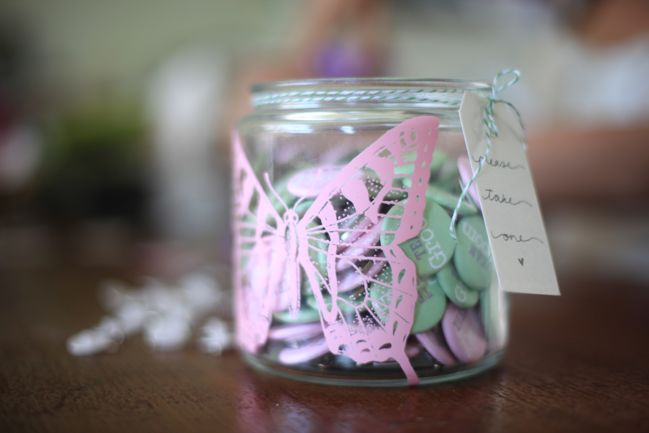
point(512, 216)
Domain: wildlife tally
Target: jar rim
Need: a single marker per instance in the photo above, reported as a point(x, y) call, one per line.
point(364, 90)
point(409, 82)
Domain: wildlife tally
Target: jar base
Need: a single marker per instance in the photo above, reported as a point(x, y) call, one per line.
point(352, 378)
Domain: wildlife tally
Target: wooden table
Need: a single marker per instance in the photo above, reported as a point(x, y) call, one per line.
point(578, 363)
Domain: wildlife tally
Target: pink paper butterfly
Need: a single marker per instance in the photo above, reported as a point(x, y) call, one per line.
point(275, 255)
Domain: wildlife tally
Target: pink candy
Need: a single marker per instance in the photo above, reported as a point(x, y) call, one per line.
point(463, 332)
point(434, 345)
point(295, 332)
point(304, 353)
point(310, 182)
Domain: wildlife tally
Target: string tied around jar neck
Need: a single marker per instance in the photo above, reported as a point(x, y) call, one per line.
point(502, 81)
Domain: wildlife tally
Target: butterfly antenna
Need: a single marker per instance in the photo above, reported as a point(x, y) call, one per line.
point(272, 190)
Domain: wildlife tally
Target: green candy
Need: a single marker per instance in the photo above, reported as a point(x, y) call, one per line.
point(431, 304)
point(433, 247)
point(409, 167)
point(304, 315)
point(486, 305)
point(302, 207)
point(379, 293)
point(448, 178)
point(472, 256)
point(348, 303)
point(457, 292)
point(449, 200)
point(429, 309)
point(373, 184)
point(438, 161)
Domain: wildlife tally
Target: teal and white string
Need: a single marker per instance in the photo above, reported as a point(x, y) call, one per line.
point(503, 80)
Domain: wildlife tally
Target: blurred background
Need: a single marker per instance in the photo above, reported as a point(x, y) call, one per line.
point(114, 116)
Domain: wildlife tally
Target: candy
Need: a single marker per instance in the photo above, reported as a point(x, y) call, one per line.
point(359, 248)
point(304, 353)
point(303, 315)
point(466, 173)
point(472, 256)
point(433, 247)
point(350, 230)
point(348, 303)
point(429, 309)
point(352, 278)
point(434, 344)
point(439, 159)
point(431, 304)
point(295, 332)
point(310, 181)
point(464, 334)
point(449, 200)
point(451, 272)
point(455, 289)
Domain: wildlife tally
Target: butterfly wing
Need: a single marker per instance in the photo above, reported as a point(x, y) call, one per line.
point(258, 253)
point(351, 203)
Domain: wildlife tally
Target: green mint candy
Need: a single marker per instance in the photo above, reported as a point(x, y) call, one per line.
point(486, 308)
point(438, 161)
point(433, 247)
point(449, 200)
point(380, 291)
point(448, 177)
point(304, 315)
point(302, 207)
point(348, 303)
point(431, 304)
point(472, 255)
point(455, 289)
point(374, 185)
point(429, 309)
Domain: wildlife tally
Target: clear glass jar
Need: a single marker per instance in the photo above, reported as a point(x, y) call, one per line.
point(345, 268)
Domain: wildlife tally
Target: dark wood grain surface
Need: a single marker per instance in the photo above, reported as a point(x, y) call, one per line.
point(578, 363)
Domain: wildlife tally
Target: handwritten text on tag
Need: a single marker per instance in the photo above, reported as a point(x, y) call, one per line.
point(509, 204)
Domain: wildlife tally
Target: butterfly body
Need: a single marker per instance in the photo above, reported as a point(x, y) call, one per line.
point(292, 268)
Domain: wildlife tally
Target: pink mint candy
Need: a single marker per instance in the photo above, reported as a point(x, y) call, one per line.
point(304, 353)
point(295, 332)
point(351, 231)
point(360, 247)
point(434, 345)
point(352, 278)
point(463, 332)
point(310, 182)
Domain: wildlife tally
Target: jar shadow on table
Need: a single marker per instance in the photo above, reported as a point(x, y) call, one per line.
point(270, 404)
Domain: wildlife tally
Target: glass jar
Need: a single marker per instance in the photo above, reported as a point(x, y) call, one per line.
point(346, 270)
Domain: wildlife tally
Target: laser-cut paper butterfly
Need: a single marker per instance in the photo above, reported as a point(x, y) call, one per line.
point(275, 255)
